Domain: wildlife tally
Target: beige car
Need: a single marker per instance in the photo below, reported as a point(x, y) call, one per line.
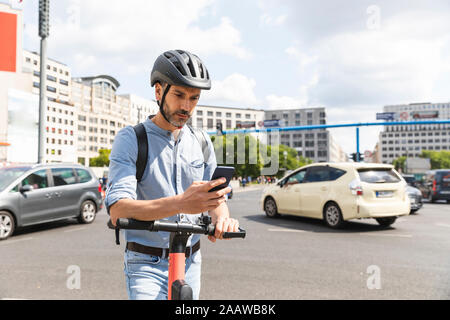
point(337, 192)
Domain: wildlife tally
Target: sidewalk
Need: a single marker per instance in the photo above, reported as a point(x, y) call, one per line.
point(237, 188)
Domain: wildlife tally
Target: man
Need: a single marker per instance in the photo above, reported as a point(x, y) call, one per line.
point(175, 182)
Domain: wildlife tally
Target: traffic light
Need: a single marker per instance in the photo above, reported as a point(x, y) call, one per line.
point(355, 158)
point(44, 8)
point(219, 128)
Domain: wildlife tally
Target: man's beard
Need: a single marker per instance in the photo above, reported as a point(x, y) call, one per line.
point(172, 117)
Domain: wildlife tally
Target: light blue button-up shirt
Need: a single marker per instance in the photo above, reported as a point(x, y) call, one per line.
point(172, 166)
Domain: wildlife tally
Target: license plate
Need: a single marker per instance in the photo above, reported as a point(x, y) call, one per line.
point(384, 194)
point(413, 200)
point(445, 192)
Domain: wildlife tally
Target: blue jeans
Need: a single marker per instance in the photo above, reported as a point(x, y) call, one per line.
point(147, 276)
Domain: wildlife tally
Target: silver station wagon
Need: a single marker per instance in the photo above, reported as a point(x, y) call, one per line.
point(39, 193)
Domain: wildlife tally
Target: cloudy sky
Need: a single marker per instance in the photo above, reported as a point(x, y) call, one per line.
point(352, 57)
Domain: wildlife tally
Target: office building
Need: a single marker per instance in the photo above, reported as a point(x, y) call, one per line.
point(318, 144)
point(101, 113)
point(410, 140)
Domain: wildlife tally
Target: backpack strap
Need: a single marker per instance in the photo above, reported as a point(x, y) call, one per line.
point(141, 134)
point(200, 135)
point(141, 161)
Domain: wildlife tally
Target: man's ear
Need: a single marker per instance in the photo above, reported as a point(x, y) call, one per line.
point(158, 91)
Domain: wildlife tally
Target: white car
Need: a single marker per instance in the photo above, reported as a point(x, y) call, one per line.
point(337, 192)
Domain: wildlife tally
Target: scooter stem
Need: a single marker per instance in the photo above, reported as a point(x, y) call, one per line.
point(177, 266)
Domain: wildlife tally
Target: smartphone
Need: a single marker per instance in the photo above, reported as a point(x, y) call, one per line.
point(222, 172)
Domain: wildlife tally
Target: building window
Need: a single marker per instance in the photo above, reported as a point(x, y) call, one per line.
point(51, 89)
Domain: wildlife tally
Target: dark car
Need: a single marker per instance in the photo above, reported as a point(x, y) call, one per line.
point(436, 185)
point(414, 194)
point(33, 194)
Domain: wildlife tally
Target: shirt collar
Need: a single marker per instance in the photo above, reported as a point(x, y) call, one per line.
point(150, 125)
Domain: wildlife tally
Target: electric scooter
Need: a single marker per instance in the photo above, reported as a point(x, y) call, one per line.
point(179, 234)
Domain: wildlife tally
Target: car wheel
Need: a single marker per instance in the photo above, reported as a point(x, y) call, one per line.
point(7, 225)
point(332, 216)
point(88, 212)
point(270, 207)
point(386, 222)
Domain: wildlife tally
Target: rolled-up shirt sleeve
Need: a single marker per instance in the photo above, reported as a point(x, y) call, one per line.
point(122, 168)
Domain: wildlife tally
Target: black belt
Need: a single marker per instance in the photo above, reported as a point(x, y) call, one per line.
point(159, 252)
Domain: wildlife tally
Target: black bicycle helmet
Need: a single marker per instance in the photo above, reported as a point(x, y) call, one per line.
point(180, 68)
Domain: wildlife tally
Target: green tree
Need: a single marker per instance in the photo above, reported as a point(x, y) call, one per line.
point(102, 160)
point(247, 155)
point(438, 159)
point(399, 163)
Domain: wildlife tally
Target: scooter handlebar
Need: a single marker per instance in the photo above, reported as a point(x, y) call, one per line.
point(124, 223)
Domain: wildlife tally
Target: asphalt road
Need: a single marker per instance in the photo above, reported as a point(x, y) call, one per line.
point(284, 258)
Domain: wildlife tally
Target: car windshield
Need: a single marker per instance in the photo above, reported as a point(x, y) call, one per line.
point(409, 180)
point(8, 175)
point(378, 175)
point(443, 178)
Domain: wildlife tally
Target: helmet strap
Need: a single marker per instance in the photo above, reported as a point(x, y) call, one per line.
point(161, 104)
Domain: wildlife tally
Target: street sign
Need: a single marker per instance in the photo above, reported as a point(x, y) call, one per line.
point(386, 116)
point(425, 114)
point(273, 123)
point(245, 124)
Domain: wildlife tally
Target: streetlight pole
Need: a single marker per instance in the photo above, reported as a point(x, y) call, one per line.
point(43, 33)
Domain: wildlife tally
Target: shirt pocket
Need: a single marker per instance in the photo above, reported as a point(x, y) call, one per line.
point(195, 169)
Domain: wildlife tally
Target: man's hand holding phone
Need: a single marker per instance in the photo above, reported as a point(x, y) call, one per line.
point(198, 198)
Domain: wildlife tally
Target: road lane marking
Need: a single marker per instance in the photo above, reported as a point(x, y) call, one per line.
point(284, 230)
point(388, 235)
point(76, 229)
point(15, 240)
point(443, 225)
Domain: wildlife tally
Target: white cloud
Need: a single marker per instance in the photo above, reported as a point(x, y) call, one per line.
point(274, 101)
point(268, 20)
point(236, 89)
point(119, 34)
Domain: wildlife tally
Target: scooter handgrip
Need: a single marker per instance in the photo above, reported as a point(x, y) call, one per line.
point(123, 223)
point(239, 234)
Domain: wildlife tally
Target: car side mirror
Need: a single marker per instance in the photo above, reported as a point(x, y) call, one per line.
point(25, 188)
